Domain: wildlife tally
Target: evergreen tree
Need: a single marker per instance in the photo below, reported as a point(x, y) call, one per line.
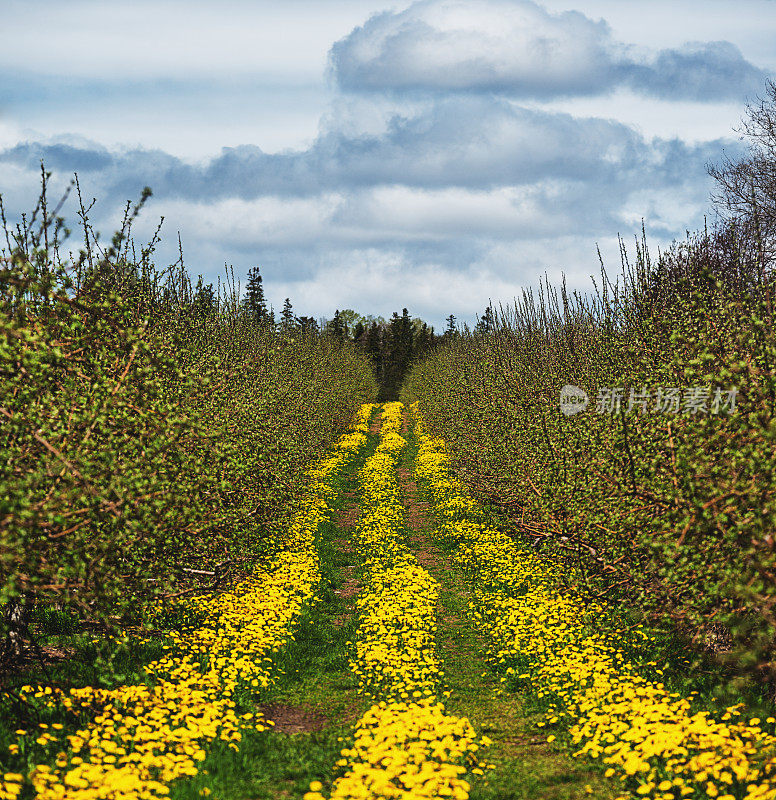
point(424, 341)
point(337, 327)
point(399, 356)
point(390, 378)
point(358, 332)
point(487, 322)
point(204, 303)
point(307, 324)
point(287, 316)
point(451, 330)
point(406, 342)
point(374, 349)
point(254, 302)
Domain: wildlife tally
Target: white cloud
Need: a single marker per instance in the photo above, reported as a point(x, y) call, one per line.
point(10, 133)
point(97, 40)
point(381, 282)
point(651, 117)
point(517, 47)
point(748, 24)
point(257, 223)
point(400, 214)
point(439, 200)
point(459, 44)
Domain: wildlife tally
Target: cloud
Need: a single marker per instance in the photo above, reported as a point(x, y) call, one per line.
point(383, 282)
point(701, 71)
point(446, 186)
point(89, 157)
point(148, 39)
point(458, 185)
point(384, 216)
point(431, 283)
point(429, 177)
point(517, 48)
point(468, 142)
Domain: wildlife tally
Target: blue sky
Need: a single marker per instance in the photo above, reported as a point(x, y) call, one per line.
point(371, 155)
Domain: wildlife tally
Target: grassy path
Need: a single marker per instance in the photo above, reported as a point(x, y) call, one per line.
point(350, 677)
point(315, 705)
point(526, 765)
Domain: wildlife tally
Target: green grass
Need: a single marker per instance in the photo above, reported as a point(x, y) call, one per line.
point(527, 767)
point(313, 679)
point(314, 695)
point(315, 670)
point(91, 660)
point(667, 657)
point(267, 765)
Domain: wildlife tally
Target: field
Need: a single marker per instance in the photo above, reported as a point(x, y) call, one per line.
point(245, 557)
point(401, 645)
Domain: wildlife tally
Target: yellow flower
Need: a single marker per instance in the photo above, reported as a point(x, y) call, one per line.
point(147, 735)
point(634, 725)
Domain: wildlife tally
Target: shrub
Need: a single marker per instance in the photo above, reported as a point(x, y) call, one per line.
point(151, 431)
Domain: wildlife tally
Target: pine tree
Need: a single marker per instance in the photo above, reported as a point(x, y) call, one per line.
point(407, 343)
point(287, 316)
point(487, 322)
point(373, 348)
point(204, 302)
point(389, 384)
point(337, 327)
point(424, 341)
point(397, 360)
point(451, 329)
point(254, 302)
point(307, 324)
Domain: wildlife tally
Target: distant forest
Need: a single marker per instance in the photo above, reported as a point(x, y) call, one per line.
point(392, 345)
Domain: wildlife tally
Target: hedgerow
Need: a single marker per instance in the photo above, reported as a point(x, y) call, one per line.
point(663, 492)
point(134, 739)
point(674, 512)
point(575, 657)
point(153, 434)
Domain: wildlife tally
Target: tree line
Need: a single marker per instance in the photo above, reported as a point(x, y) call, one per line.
point(392, 345)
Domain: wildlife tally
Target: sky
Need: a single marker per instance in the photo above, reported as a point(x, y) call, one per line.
point(435, 155)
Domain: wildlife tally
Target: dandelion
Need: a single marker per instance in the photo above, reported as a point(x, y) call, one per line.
point(405, 745)
point(648, 736)
point(148, 735)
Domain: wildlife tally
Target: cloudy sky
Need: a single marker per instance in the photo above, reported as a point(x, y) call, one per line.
point(373, 155)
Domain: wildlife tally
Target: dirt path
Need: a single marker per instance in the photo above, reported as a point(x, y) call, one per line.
point(316, 704)
point(346, 519)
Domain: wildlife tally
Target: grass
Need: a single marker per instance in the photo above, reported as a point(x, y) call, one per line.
point(314, 697)
point(527, 767)
point(89, 659)
point(665, 656)
point(267, 765)
point(314, 686)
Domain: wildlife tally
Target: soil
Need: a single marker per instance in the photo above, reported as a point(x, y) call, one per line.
point(11, 667)
point(292, 720)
